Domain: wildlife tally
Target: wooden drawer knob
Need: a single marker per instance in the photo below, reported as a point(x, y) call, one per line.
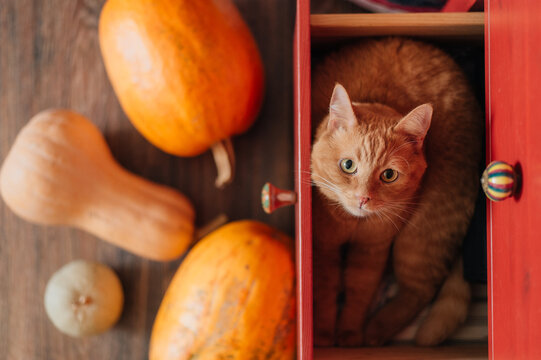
point(499, 181)
point(273, 198)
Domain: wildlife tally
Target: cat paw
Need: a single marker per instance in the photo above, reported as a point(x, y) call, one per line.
point(432, 333)
point(323, 339)
point(350, 338)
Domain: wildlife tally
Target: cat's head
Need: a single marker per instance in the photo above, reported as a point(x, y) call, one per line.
point(368, 158)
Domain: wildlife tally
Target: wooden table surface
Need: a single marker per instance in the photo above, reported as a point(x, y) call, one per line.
point(49, 57)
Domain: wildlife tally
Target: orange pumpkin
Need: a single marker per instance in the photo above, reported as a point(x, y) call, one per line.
point(233, 297)
point(187, 73)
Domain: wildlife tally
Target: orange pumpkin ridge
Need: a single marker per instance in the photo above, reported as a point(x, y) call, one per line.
point(232, 297)
point(188, 74)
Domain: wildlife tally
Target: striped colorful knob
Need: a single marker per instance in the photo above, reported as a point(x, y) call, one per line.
point(273, 198)
point(499, 181)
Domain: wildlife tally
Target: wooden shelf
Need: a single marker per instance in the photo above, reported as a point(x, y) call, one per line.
point(452, 26)
point(402, 352)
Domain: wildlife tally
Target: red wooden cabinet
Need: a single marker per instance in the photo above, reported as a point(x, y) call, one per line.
point(513, 69)
point(513, 72)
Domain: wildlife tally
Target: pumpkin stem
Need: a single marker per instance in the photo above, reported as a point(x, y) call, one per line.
point(211, 226)
point(224, 157)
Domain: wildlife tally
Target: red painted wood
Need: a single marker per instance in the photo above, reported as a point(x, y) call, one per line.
point(303, 211)
point(513, 38)
point(458, 5)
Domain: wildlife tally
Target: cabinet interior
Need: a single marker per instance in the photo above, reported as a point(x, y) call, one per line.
point(461, 35)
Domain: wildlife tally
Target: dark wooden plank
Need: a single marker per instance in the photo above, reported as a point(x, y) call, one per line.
point(49, 57)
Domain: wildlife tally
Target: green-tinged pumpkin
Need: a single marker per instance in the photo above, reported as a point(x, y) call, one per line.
point(187, 73)
point(233, 297)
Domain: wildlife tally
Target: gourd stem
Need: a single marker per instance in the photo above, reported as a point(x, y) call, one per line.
point(211, 226)
point(224, 157)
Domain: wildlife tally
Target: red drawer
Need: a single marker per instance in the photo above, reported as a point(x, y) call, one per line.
point(513, 55)
point(329, 28)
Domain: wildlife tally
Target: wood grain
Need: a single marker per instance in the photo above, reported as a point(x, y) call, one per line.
point(513, 128)
point(49, 57)
point(456, 26)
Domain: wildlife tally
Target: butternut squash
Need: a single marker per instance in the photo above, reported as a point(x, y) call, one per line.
point(61, 172)
point(187, 73)
point(233, 297)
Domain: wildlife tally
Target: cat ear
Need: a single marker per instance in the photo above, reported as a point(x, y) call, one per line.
point(341, 113)
point(417, 122)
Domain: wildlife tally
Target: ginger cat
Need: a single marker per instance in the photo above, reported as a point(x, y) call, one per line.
point(395, 165)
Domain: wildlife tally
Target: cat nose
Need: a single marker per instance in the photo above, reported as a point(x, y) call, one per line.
point(363, 200)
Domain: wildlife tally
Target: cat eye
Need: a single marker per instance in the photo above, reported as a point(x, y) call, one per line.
point(389, 175)
point(348, 166)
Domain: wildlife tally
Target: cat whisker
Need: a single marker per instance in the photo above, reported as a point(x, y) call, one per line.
point(404, 202)
point(319, 183)
point(393, 213)
point(325, 186)
point(388, 218)
point(379, 216)
point(404, 220)
point(399, 205)
point(316, 183)
point(400, 208)
point(326, 181)
point(309, 182)
point(410, 200)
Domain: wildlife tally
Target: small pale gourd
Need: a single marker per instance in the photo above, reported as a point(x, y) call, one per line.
point(84, 298)
point(61, 172)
